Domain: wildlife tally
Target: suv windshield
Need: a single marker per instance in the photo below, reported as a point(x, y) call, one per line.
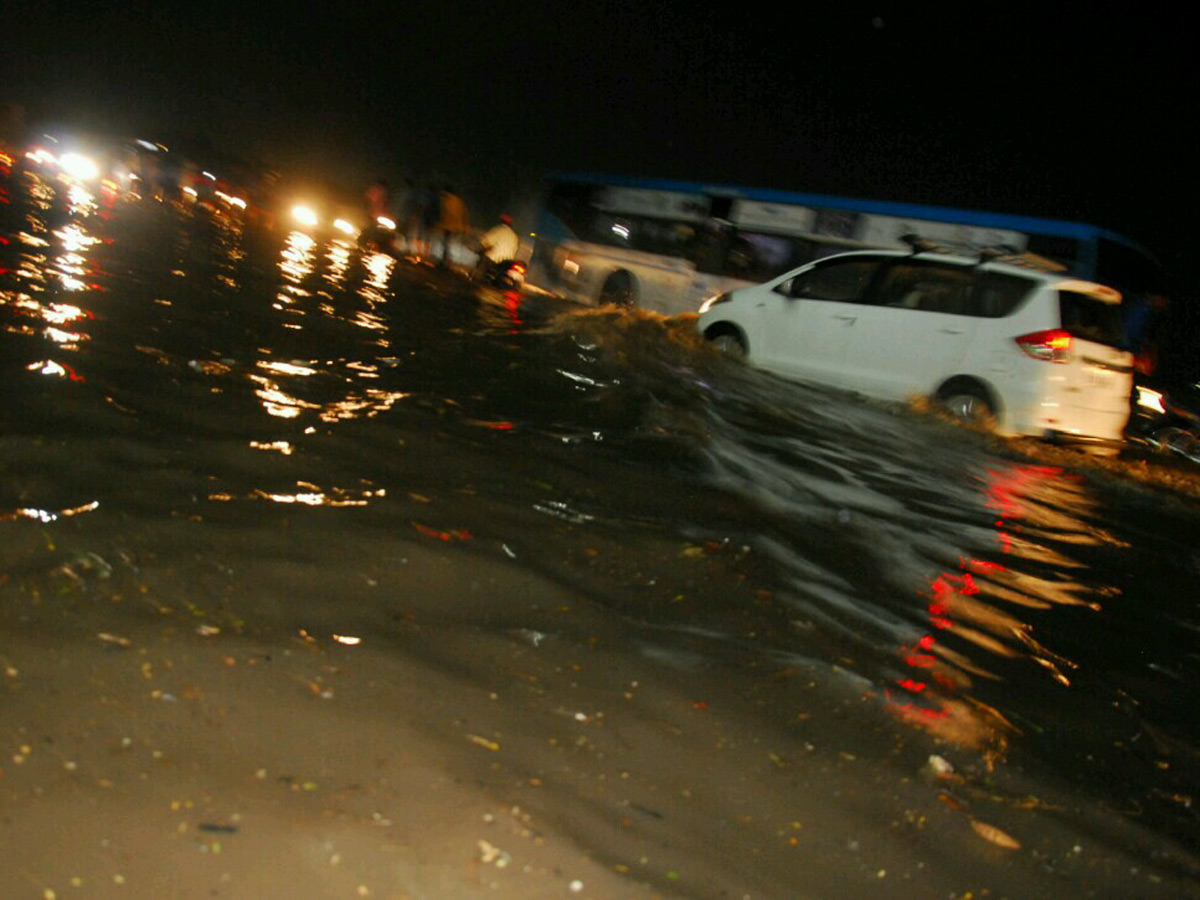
point(1090, 319)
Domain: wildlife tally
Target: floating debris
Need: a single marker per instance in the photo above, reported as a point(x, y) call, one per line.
point(493, 854)
point(214, 828)
point(940, 767)
point(994, 835)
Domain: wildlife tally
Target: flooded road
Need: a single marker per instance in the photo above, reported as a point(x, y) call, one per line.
point(323, 574)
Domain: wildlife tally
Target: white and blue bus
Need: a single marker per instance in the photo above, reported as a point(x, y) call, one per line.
point(666, 245)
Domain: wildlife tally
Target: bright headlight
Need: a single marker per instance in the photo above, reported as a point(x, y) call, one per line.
point(79, 167)
point(1150, 399)
point(305, 215)
point(713, 301)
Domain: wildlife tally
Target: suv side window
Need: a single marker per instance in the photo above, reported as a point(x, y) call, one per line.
point(842, 281)
point(926, 286)
point(997, 294)
point(954, 289)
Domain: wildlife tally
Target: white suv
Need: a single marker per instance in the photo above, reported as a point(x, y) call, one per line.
point(1023, 349)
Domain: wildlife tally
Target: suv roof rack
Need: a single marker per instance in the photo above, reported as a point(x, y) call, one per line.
point(1023, 258)
point(922, 245)
point(1003, 253)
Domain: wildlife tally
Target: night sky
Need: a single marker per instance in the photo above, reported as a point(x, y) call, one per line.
point(987, 107)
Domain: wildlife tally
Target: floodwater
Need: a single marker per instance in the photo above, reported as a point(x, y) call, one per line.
point(323, 574)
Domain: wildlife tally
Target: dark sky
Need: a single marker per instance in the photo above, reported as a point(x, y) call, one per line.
point(988, 107)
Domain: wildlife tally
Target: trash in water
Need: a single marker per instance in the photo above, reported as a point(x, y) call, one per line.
point(214, 828)
point(995, 835)
point(493, 854)
point(940, 767)
point(460, 534)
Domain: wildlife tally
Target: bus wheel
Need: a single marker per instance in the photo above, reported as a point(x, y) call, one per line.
point(617, 290)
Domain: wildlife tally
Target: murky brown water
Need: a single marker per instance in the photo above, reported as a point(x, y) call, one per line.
point(324, 575)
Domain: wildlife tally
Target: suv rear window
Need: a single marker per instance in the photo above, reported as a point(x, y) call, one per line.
point(997, 294)
point(1090, 319)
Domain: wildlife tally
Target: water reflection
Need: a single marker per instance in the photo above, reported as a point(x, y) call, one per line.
point(379, 271)
point(968, 604)
point(296, 263)
point(339, 262)
point(50, 264)
point(80, 201)
point(329, 389)
point(229, 248)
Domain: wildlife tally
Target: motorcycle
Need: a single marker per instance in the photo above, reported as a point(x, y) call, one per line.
point(506, 275)
point(1167, 422)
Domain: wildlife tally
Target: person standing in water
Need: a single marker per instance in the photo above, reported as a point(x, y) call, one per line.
point(454, 222)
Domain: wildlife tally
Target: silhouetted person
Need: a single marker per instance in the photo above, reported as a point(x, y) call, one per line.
point(498, 245)
point(453, 222)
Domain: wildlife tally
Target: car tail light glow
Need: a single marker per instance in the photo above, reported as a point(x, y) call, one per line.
point(1053, 345)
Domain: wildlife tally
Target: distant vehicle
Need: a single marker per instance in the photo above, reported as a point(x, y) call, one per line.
point(506, 275)
point(1167, 420)
point(666, 245)
point(1018, 348)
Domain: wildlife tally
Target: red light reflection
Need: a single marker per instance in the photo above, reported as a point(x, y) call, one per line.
point(916, 699)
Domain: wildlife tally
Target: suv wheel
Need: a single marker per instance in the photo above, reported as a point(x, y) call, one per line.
point(729, 344)
point(969, 407)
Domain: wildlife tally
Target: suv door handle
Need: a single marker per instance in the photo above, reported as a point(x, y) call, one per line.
point(850, 319)
point(950, 330)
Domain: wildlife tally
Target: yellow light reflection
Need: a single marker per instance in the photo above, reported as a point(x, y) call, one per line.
point(48, 515)
point(286, 368)
point(379, 271)
point(298, 257)
point(380, 266)
point(75, 239)
point(281, 446)
point(278, 402)
point(80, 201)
point(316, 496)
point(367, 405)
point(339, 262)
point(68, 339)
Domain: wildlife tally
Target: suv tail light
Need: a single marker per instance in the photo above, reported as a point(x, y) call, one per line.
point(1052, 346)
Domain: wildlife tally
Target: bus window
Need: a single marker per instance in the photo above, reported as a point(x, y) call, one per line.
point(760, 257)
